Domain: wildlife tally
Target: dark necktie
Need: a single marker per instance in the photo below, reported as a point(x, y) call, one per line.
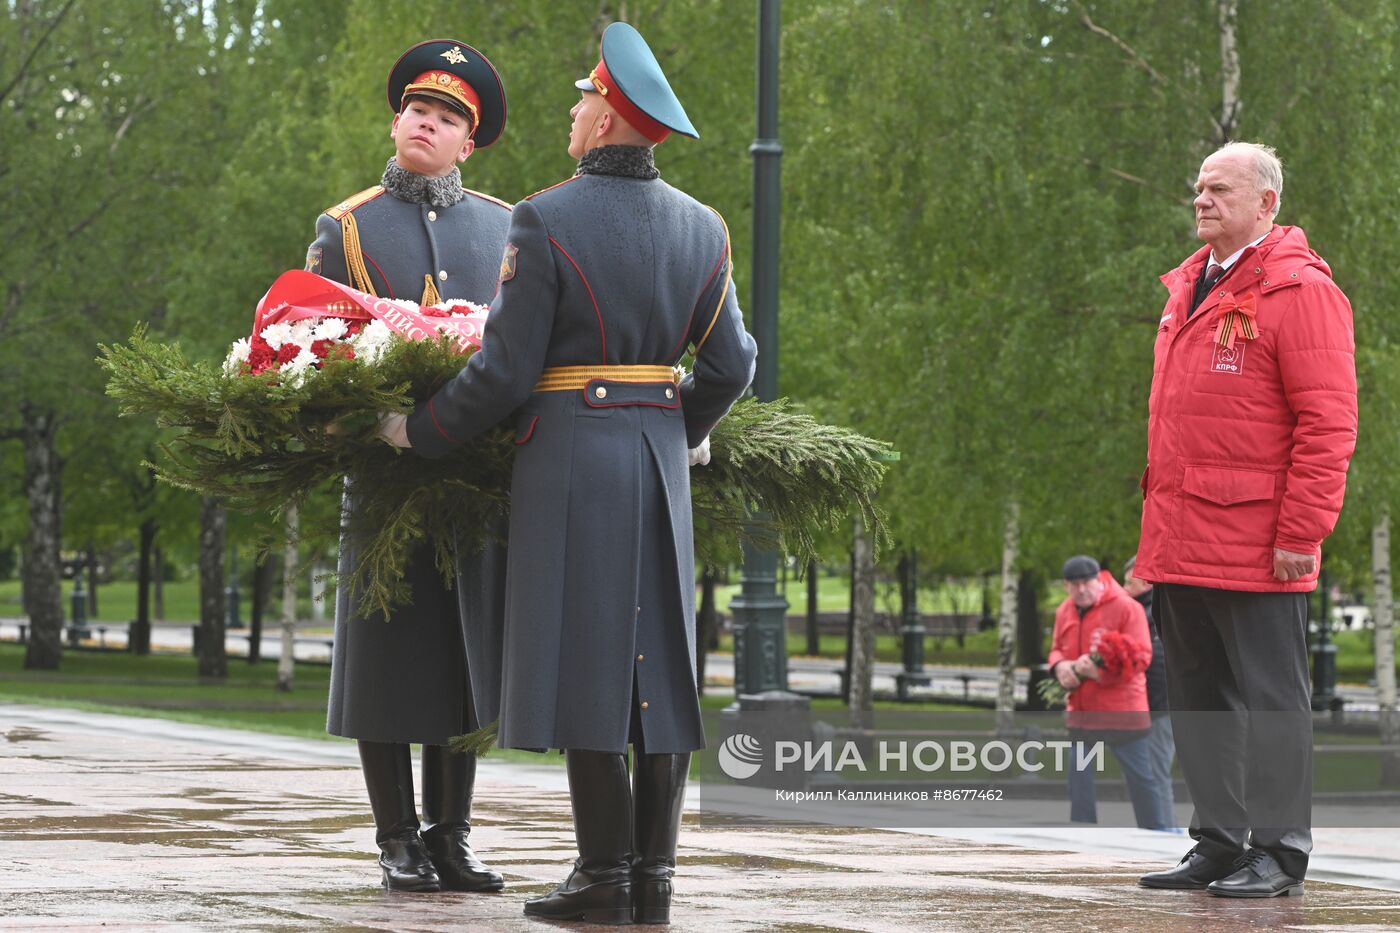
point(1213, 273)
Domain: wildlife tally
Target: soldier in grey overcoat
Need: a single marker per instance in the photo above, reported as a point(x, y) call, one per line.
point(431, 671)
point(608, 280)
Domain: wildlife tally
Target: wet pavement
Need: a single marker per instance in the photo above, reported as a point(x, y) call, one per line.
point(119, 823)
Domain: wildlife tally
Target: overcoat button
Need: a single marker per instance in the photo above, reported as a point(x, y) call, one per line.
point(1257, 270)
point(442, 275)
point(432, 215)
point(645, 704)
point(641, 657)
point(670, 393)
point(601, 392)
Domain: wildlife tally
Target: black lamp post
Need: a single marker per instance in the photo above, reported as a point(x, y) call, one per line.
point(232, 610)
point(1324, 652)
point(760, 612)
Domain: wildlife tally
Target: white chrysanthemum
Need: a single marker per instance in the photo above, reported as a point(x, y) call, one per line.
point(331, 328)
point(277, 334)
point(237, 356)
point(302, 331)
point(296, 371)
point(373, 341)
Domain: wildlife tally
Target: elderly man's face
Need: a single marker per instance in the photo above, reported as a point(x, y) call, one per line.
point(1085, 592)
point(1231, 211)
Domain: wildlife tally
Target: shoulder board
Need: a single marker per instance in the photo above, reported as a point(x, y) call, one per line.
point(555, 185)
point(354, 201)
point(487, 197)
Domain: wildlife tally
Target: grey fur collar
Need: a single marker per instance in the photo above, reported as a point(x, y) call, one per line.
point(421, 189)
point(626, 161)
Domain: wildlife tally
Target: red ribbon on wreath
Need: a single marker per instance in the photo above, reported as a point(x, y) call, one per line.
point(1235, 318)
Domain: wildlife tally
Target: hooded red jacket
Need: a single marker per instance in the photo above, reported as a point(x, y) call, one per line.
point(1118, 699)
point(1247, 447)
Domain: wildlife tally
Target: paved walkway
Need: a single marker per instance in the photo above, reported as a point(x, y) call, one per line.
point(119, 823)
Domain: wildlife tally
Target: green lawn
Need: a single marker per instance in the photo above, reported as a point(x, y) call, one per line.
point(116, 601)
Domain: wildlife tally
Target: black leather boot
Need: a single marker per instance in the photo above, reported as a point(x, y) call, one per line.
point(448, 779)
point(599, 889)
point(658, 792)
point(388, 771)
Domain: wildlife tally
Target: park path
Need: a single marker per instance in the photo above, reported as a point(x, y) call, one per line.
point(121, 823)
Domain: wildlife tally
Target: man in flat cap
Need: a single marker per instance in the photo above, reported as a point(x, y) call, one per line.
point(609, 278)
point(420, 235)
point(1107, 693)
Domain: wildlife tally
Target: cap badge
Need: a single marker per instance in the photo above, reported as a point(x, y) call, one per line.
point(454, 55)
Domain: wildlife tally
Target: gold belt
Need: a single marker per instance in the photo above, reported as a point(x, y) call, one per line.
point(566, 378)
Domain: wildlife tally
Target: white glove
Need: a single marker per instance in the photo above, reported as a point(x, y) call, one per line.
point(700, 455)
point(393, 427)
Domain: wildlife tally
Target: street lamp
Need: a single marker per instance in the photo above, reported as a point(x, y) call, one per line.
point(760, 612)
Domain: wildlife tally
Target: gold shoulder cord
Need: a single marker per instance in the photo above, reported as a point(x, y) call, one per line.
point(729, 281)
point(430, 292)
point(354, 255)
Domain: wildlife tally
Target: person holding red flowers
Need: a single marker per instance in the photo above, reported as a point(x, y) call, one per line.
point(1100, 649)
point(432, 670)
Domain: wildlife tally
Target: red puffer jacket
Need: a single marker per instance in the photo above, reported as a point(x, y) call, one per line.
point(1118, 699)
point(1247, 446)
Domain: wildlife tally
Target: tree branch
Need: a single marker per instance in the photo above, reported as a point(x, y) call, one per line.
point(1133, 179)
point(1124, 47)
point(126, 124)
point(29, 59)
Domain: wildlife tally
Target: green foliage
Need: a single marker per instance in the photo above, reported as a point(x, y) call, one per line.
point(974, 216)
point(262, 444)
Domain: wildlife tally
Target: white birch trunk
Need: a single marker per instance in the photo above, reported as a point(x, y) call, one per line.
point(1229, 72)
point(1006, 623)
point(1383, 618)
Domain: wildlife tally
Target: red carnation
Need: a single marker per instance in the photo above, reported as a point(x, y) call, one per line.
point(289, 352)
point(1119, 654)
point(321, 348)
point(260, 355)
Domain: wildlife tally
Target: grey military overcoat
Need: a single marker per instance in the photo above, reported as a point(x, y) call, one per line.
point(405, 679)
point(601, 270)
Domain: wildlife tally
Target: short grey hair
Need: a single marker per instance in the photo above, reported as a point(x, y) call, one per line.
point(1268, 169)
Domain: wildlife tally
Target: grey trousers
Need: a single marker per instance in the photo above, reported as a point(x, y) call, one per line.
point(1237, 682)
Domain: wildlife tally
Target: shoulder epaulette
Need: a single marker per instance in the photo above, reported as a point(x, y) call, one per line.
point(486, 197)
point(555, 185)
point(354, 201)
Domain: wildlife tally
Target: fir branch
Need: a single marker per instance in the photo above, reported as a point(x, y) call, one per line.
point(777, 476)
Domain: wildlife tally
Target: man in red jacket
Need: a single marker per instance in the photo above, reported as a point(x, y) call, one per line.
point(1100, 649)
point(1252, 423)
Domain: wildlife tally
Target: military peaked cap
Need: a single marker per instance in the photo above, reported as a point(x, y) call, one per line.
point(457, 74)
point(630, 79)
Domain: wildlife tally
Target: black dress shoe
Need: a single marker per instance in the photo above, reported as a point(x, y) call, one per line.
point(1257, 875)
point(406, 865)
point(456, 863)
point(592, 896)
point(1192, 873)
